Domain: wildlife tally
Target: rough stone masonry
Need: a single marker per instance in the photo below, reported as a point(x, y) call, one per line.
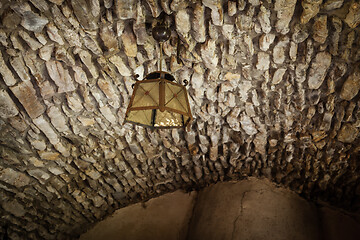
point(273, 90)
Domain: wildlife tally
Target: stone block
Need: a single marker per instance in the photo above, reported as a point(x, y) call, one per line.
point(13, 177)
point(26, 94)
point(7, 106)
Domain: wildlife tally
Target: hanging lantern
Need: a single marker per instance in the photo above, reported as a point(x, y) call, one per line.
point(158, 101)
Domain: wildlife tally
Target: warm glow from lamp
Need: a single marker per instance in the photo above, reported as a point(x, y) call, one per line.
point(158, 102)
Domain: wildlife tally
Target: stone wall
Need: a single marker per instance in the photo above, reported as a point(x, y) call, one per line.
point(273, 88)
point(250, 209)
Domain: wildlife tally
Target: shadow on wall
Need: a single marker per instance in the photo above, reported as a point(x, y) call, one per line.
point(251, 209)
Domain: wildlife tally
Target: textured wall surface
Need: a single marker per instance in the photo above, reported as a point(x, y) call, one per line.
point(249, 209)
point(252, 209)
point(273, 90)
point(337, 225)
point(165, 217)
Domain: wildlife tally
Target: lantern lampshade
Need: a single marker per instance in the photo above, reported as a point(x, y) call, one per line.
point(159, 102)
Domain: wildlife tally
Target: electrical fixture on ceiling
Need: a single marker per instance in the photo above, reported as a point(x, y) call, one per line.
point(158, 101)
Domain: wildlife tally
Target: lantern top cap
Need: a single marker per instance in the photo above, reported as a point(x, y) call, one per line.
point(159, 75)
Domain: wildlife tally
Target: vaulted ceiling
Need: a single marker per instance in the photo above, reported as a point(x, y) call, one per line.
point(273, 88)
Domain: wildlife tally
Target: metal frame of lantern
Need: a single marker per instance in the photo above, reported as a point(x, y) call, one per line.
point(167, 103)
point(158, 101)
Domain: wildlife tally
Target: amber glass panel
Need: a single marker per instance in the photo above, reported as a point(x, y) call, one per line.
point(181, 97)
point(146, 95)
point(141, 116)
point(173, 97)
point(168, 119)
